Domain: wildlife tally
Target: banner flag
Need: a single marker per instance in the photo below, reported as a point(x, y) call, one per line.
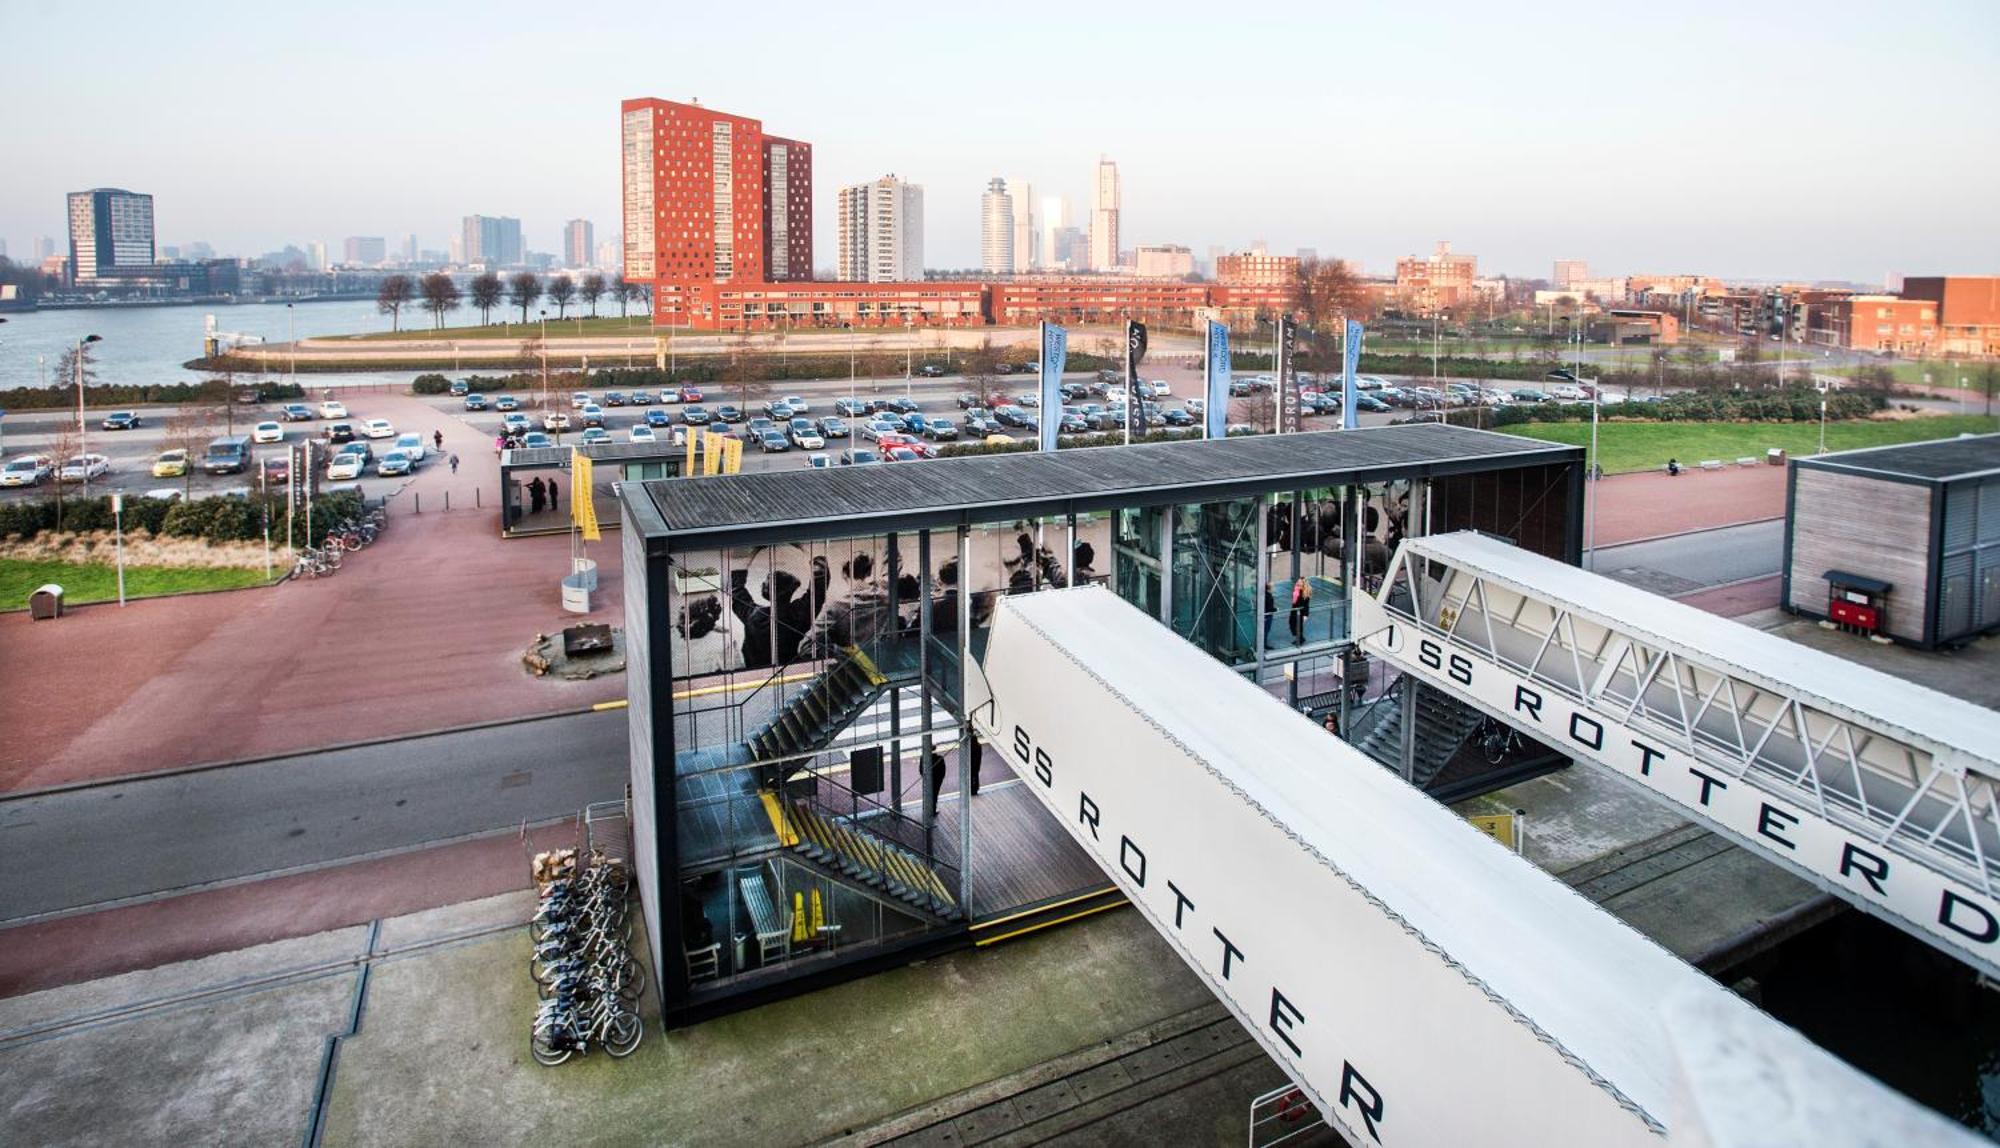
point(1135, 350)
point(732, 455)
point(1288, 383)
point(1216, 414)
point(1055, 352)
point(582, 509)
point(711, 451)
point(1350, 411)
point(693, 442)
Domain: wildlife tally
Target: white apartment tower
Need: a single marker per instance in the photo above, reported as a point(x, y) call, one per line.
point(881, 232)
point(996, 229)
point(1104, 218)
point(1055, 217)
point(1027, 237)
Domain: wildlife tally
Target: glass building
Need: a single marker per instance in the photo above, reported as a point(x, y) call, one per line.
point(803, 806)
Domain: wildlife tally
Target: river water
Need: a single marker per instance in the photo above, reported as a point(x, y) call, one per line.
point(148, 344)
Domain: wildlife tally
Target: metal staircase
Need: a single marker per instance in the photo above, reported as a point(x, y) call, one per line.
point(815, 716)
point(1443, 724)
point(844, 846)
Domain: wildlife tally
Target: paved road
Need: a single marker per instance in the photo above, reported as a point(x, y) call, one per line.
point(1691, 561)
point(134, 838)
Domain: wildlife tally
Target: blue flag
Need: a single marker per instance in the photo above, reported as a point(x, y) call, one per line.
point(1350, 414)
point(1216, 415)
point(1055, 350)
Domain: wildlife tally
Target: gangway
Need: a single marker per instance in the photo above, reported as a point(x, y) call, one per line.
point(1874, 788)
point(1422, 984)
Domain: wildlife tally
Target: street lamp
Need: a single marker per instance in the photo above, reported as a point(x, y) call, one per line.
point(292, 344)
point(82, 434)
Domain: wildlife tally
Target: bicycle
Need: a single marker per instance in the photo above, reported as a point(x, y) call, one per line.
point(568, 1025)
point(1499, 741)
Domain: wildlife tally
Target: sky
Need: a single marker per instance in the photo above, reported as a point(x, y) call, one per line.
point(1795, 140)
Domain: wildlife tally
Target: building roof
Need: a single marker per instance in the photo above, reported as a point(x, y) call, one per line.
point(782, 505)
point(1942, 459)
point(596, 452)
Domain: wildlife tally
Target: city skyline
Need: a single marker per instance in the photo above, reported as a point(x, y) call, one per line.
point(1651, 176)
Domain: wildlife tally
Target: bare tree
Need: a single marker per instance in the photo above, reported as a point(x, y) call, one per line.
point(591, 291)
point(1261, 409)
point(622, 291)
point(1324, 294)
point(390, 298)
point(980, 376)
point(486, 293)
point(523, 290)
point(562, 289)
point(220, 393)
point(63, 446)
point(186, 429)
point(77, 361)
point(744, 372)
point(441, 294)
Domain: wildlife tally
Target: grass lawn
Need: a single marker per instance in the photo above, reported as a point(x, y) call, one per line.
point(638, 324)
point(98, 582)
point(1628, 446)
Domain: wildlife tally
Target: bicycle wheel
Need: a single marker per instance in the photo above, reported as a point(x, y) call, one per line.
point(545, 1053)
point(622, 1033)
point(1494, 747)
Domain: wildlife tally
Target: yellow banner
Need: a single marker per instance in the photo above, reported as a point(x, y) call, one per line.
point(732, 455)
point(1498, 826)
point(582, 510)
point(693, 438)
point(711, 452)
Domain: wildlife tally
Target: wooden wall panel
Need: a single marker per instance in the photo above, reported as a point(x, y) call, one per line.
point(1863, 526)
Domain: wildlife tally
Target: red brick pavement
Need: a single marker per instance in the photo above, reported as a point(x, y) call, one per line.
point(421, 631)
point(1632, 507)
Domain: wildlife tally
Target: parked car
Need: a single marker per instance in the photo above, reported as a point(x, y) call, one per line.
point(475, 402)
point(534, 439)
point(773, 442)
point(514, 423)
point(1027, 399)
point(1363, 401)
point(1569, 393)
point(83, 467)
point(915, 422)
point(613, 399)
point(167, 464)
point(916, 446)
point(378, 428)
point(506, 403)
point(852, 408)
point(696, 416)
point(393, 463)
point(411, 445)
point(268, 432)
point(940, 429)
point(340, 432)
point(1012, 416)
point(728, 413)
point(659, 418)
point(31, 469)
point(553, 420)
point(121, 420)
point(832, 426)
point(901, 454)
point(778, 409)
point(296, 413)
point(818, 460)
point(278, 469)
point(805, 435)
point(461, 386)
point(230, 454)
point(1177, 418)
point(979, 427)
point(1071, 423)
point(874, 429)
point(859, 458)
point(593, 415)
point(641, 432)
point(578, 400)
point(1528, 395)
point(688, 394)
point(931, 371)
point(799, 405)
point(901, 406)
point(642, 398)
point(332, 409)
point(1195, 407)
point(346, 467)
point(967, 399)
point(594, 435)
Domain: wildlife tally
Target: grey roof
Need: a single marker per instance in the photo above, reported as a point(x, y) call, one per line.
point(1935, 461)
point(770, 505)
point(597, 452)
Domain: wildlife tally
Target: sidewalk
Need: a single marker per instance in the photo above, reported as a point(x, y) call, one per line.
point(1632, 507)
point(422, 631)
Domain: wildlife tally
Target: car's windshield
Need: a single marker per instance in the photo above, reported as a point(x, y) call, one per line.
point(21, 464)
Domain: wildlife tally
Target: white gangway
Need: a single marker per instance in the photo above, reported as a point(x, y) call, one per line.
point(1424, 985)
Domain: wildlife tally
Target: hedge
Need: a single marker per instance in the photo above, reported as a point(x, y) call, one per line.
point(219, 519)
point(111, 396)
point(1796, 403)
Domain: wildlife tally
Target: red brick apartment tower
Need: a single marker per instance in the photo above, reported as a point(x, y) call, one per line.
point(788, 234)
point(693, 183)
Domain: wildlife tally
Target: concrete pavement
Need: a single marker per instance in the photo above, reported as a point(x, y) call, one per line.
point(1688, 562)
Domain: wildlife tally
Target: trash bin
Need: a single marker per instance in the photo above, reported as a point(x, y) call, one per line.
point(1775, 456)
point(46, 602)
point(584, 570)
point(576, 592)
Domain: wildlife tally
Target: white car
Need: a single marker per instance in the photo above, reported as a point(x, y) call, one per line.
point(378, 428)
point(346, 466)
point(555, 421)
point(1160, 388)
point(83, 467)
point(332, 410)
point(268, 432)
point(164, 494)
point(798, 405)
point(411, 445)
point(643, 433)
point(1569, 392)
point(27, 470)
point(1369, 383)
point(579, 400)
point(808, 440)
point(514, 421)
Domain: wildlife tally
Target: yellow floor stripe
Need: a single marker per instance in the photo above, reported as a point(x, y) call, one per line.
point(1033, 910)
point(620, 704)
point(732, 687)
point(1077, 916)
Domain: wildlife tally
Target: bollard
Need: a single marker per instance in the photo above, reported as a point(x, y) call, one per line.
point(447, 500)
point(476, 504)
point(416, 502)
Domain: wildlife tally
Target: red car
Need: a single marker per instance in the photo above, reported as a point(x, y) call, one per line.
point(690, 394)
point(890, 442)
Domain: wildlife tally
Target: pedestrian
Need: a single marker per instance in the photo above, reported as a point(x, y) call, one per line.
point(1673, 468)
point(1302, 599)
point(552, 493)
point(535, 497)
point(972, 778)
point(437, 438)
point(932, 784)
point(499, 442)
point(454, 464)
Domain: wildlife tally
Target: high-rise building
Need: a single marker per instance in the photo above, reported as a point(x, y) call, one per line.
point(693, 193)
point(996, 229)
point(1251, 269)
point(45, 248)
point(1027, 237)
point(1442, 280)
point(365, 250)
point(1104, 218)
point(788, 223)
point(110, 231)
point(609, 251)
point(1165, 261)
point(492, 240)
point(1072, 247)
point(1568, 271)
point(411, 252)
point(579, 243)
point(1055, 217)
point(881, 232)
point(316, 256)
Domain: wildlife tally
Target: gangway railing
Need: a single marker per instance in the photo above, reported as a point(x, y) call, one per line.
point(1878, 790)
